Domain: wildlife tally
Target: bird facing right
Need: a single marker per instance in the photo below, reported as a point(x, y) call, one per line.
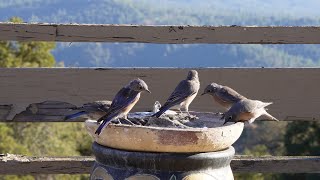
point(123, 102)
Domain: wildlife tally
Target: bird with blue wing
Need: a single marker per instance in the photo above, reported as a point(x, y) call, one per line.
point(93, 110)
point(183, 94)
point(223, 95)
point(123, 102)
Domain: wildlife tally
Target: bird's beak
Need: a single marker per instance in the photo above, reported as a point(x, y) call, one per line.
point(203, 94)
point(148, 91)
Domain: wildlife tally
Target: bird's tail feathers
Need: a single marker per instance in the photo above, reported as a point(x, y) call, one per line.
point(269, 116)
point(71, 116)
point(104, 124)
point(267, 103)
point(160, 112)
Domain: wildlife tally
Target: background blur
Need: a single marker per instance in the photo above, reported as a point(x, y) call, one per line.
point(178, 12)
point(62, 139)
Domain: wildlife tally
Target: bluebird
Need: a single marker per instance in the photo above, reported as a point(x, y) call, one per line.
point(94, 110)
point(223, 95)
point(123, 102)
point(247, 110)
point(183, 94)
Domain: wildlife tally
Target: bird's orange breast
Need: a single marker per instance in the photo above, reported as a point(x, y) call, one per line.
point(244, 116)
point(129, 107)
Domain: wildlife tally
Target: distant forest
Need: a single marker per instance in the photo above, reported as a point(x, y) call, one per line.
point(70, 139)
point(187, 12)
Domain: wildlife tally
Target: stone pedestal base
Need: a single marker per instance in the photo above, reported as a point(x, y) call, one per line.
point(119, 165)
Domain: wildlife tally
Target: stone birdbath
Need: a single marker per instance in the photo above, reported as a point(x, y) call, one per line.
point(165, 148)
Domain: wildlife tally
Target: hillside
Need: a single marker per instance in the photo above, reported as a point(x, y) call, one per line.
point(248, 12)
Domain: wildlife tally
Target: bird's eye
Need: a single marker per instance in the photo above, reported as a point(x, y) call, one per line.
point(230, 117)
point(140, 87)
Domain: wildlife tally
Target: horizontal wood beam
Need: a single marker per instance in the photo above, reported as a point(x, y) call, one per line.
point(276, 164)
point(160, 34)
point(48, 94)
point(17, 164)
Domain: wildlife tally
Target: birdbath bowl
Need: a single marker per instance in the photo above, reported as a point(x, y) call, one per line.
point(202, 151)
point(212, 136)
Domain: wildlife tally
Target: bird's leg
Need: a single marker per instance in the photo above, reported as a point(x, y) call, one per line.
point(128, 122)
point(125, 118)
point(119, 121)
point(187, 110)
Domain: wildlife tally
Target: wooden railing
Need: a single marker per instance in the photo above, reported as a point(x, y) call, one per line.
point(47, 94)
point(17, 164)
point(159, 34)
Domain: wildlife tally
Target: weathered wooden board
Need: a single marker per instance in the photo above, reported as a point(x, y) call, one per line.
point(17, 164)
point(276, 164)
point(294, 91)
point(159, 34)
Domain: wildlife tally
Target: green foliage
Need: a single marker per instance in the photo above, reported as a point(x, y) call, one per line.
point(8, 143)
point(26, 54)
point(39, 139)
point(302, 139)
point(257, 150)
point(270, 134)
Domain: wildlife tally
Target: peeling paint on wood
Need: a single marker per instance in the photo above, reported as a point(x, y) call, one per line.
point(167, 34)
point(5, 111)
point(60, 89)
point(18, 164)
point(276, 164)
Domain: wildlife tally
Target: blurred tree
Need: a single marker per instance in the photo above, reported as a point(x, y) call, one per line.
point(26, 54)
point(39, 139)
point(257, 150)
point(270, 134)
point(302, 139)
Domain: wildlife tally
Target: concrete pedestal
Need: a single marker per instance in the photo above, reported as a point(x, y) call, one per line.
point(119, 165)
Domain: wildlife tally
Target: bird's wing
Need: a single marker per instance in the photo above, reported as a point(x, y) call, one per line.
point(251, 105)
point(229, 95)
point(180, 93)
point(122, 99)
point(118, 99)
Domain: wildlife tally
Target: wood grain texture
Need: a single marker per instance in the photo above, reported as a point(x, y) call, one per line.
point(17, 164)
point(276, 164)
point(159, 34)
point(293, 91)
